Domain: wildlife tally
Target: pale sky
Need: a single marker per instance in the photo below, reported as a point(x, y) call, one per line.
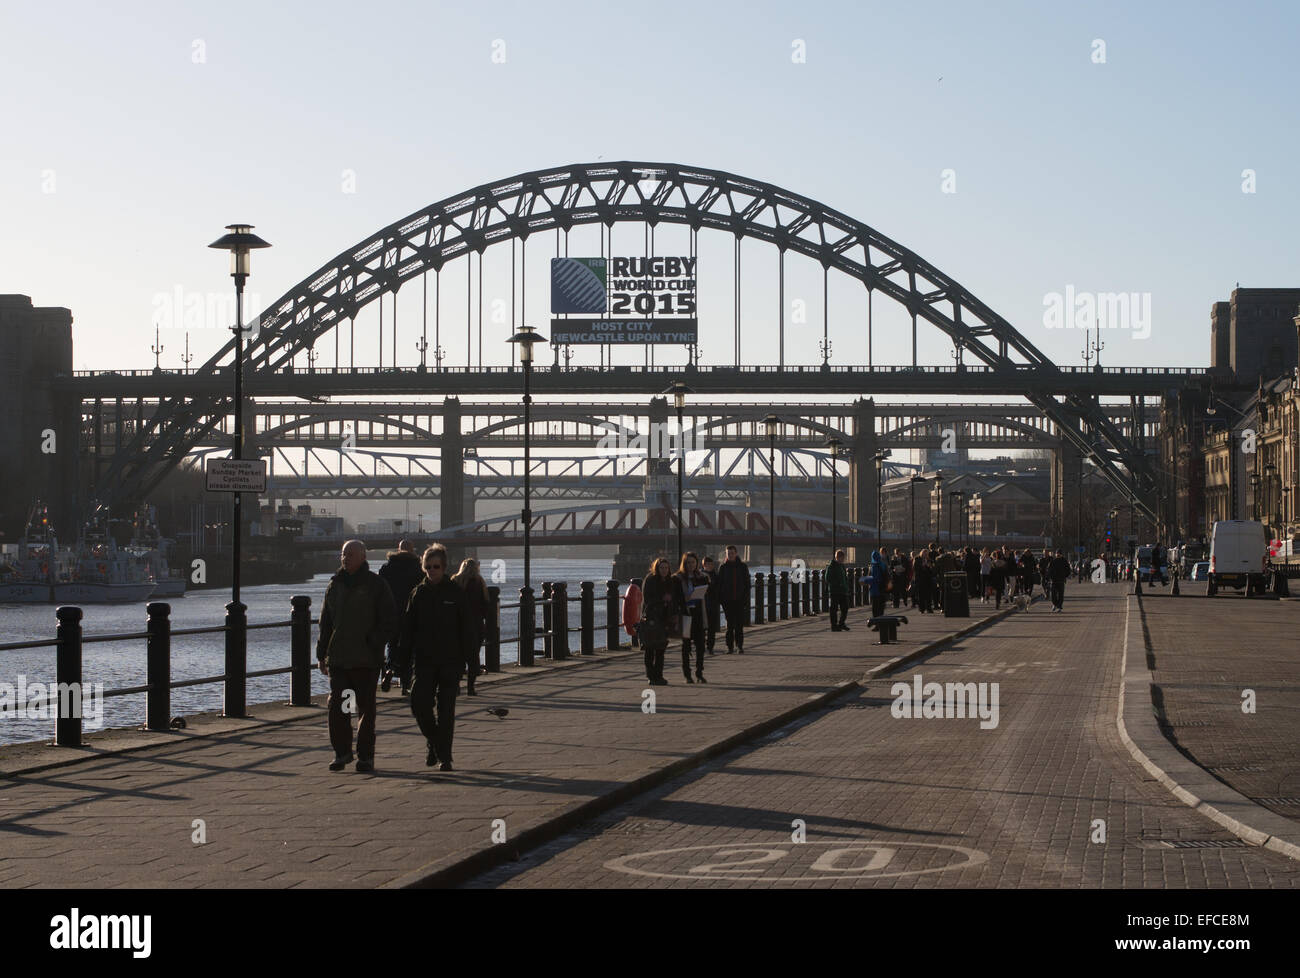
point(134, 133)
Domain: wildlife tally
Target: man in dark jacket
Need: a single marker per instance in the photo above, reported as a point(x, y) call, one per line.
point(733, 592)
point(358, 617)
point(438, 641)
point(1059, 572)
point(712, 605)
point(972, 568)
point(402, 574)
point(837, 585)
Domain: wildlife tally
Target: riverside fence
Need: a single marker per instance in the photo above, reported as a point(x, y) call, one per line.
point(772, 598)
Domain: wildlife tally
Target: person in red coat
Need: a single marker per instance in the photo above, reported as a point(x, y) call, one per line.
point(632, 609)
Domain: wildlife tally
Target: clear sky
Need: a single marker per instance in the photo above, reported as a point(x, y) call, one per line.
point(134, 132)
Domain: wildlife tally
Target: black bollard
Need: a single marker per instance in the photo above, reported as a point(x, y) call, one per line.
point(613, 641)
point(158, 666)
point(771, 597)
point(587, 599)
point(299, 650)
point(758, 598)
point(560, 616)
point(784, 587)
point(492, 632)
point(67, 673)
point(806, 588)
point(548, 619)
point(817, 592)
point(527, 625)
point(236, 660)
point(796, 595)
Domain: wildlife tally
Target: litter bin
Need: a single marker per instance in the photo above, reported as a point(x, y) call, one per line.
point(956, 600)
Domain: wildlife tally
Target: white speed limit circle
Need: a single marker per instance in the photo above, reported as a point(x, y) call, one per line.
point(838, 860)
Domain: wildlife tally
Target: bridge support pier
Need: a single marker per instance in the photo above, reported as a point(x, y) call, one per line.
point(451, 503)
point(1067, 467)
point(862, 469)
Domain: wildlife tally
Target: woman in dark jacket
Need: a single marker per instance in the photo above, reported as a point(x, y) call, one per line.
point(688, 578)
point(476, 600)
point(661, 616)
point(924, 585)
point(998, 577)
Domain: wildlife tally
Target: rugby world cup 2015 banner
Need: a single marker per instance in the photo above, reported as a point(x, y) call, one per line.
point(662, 286)
point(573, 332)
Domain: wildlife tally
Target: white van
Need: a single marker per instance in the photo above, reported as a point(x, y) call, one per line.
point(1238, 556)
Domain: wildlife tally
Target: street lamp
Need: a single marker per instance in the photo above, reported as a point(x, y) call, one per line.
point(833, 444)
point(240, 242)
point(679, 391)
point(1286, 508)
point(938, 491)
point(771, 422)
point(525, 339)
point(954, 503)
point(880, 494)
point(1270, 472)
point(1254, 494)
point(912, 488)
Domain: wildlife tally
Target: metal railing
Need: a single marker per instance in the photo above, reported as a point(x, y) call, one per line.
point(797, 598)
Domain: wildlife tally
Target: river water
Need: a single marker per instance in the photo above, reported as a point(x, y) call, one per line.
point(121, 664)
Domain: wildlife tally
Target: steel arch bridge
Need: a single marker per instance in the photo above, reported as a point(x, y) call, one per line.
point(562, 198)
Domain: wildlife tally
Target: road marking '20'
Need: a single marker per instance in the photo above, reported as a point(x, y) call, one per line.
point(821, 861)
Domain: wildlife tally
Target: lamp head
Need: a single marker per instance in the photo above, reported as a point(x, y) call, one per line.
point(679, 390)
point(525, 338)
point(240, 242)
point(771, 422)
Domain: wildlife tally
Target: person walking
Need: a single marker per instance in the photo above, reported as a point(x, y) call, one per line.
point(879, 584)
point(689, 577)
point(972, 568)
point(661, 612)
point(1058, 572)
point(402, 574)
point(898, 573)
point(632, 611)
point(837, 586)
point(358, 617)
point(438, 641)
point(712, 605)
point(924, 585)
point(733, 593)
point(470, 580)
point(986, 575)
point(998, 577)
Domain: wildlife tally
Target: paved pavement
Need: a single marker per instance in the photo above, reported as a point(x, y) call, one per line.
point(272, 815)
point(1205, 653)
point(889, 801)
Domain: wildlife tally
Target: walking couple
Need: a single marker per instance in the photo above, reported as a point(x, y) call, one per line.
point(687, 603)
point(437, 636)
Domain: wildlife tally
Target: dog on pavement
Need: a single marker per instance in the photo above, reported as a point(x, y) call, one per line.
point(1022, 601)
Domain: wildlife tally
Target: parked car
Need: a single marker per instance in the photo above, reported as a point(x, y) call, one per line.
point(1238, 556)
point(1201, 570)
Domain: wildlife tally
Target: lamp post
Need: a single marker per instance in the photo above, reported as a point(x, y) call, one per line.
point(678, 390)
point(525, 339)
point(771, 422)
point(1286, 508)
point(954, 503)
point(833, 444)
point(240, 242)
point(156, 350)
point(912, 488)
point(938, 491)
point(880, 494)
point(1254, 494)
point(188, 355)
point(1270, 472)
